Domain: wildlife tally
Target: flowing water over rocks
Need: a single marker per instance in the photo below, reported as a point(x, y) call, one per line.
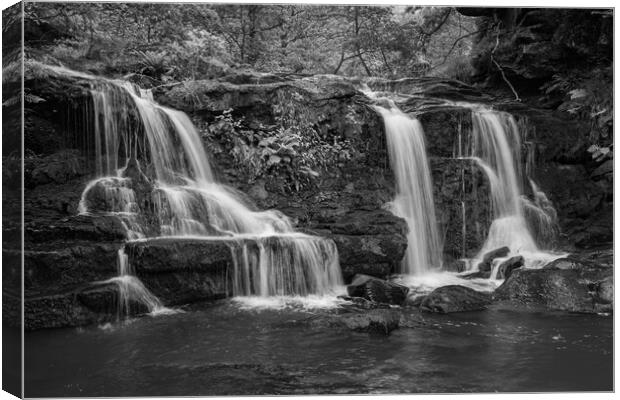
point(414, 196)
point(188, 238)
point(184, 200)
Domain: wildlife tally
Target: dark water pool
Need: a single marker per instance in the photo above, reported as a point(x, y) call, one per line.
point(226, 350)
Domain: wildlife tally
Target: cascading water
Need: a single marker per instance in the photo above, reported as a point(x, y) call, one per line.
point(414, 194)
point(180, 198)
point(496, 147)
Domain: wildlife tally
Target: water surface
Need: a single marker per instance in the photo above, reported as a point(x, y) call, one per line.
point(228, 349)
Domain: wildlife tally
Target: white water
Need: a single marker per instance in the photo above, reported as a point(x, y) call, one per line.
point(496, 147)
point(132, 290)
point(414, 190)
point(187, 201)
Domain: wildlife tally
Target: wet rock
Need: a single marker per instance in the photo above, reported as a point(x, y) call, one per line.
point(82, 306)
point(364, 223)
point(605, 291)
point(377, 290)
point(488, 258)
point(461, 195)
point(57, 168)
point(504, 270)
point(477, 275)
point(374, 321)
point(565, 285)
point(61, 266)
point(378, 270)
point(358, 252)
point(173, 255)
point(571, 262)
point(79, 227)
point(454, 298)
point(455, 265)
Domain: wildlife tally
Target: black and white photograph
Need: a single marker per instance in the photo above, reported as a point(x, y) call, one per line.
point(266, 199)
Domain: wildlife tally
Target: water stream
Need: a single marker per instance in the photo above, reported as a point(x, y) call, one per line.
point(496, 147)
point(225, 349)
point(174, 193)
point(414, 190)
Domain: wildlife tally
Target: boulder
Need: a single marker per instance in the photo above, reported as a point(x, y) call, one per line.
point(454, 298)
point(572, 288)
point(506, 267)
point(379, 321)
point(377, 290)
point(488, 258)
point(357, 252)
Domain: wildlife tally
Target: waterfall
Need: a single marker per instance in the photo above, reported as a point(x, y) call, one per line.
point(132, 290)
point(175, 195)
point(414, 190)
point(496, 147)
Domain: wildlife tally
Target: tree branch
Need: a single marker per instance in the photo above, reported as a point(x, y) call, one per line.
point(501, 70)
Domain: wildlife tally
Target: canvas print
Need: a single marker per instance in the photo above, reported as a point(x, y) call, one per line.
point(212, 199)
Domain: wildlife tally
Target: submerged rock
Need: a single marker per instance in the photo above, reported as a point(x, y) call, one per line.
point(454, 298)
point(374, 321)
point(488, 258)
point(377, 290)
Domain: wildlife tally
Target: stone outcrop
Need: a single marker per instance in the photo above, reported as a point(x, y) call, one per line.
point(566, 285)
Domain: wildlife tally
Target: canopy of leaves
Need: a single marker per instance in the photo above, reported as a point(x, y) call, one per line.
point(192, 41)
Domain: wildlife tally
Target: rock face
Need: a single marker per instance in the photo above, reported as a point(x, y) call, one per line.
point(66, 253)
point(454, 298)
point(565, 284)
point(377, 290)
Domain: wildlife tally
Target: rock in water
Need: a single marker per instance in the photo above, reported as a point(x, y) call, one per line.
point(454, 298)
point(477, 275)
point(505, 268)
point(377, 290)
point(577, 287)
point(488, 258)
point(374, 321)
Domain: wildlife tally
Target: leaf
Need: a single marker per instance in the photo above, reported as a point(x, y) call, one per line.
point(273, 159)
point(308, 171)
point(578, 94)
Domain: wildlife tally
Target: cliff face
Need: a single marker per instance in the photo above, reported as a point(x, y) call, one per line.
point(345, 199)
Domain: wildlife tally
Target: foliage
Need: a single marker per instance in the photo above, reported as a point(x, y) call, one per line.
point(192, 41)
point(587, 96)
point(295, 152)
